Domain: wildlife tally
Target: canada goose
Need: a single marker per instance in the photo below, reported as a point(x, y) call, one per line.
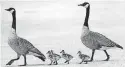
point(53, 57)
point(83, 57)
point(66, 56)
point(19, 45)
point(94, 40)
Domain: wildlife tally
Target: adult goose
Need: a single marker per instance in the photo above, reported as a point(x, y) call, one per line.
point(19, 45)
point(95, 40)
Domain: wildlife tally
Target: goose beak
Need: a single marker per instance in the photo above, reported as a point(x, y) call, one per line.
point(80, 5)
point(7, 9)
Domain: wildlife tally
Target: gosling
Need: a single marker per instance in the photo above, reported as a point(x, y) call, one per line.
point(53, 57)
point(66, 56)
point(83, 57)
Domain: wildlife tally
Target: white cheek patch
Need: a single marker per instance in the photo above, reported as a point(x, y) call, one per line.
point(11, 11)
point(105, 48)
point(86, 5)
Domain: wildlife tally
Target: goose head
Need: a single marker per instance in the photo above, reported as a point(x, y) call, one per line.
point(85, 4)
point(11, 10)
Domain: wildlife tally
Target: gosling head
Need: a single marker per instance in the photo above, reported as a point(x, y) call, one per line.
point(79, 52)
point(85, 4)
point(49, 52)
point(62, 51)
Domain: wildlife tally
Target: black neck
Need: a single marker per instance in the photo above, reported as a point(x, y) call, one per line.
point(14, 20)
point(87, 16)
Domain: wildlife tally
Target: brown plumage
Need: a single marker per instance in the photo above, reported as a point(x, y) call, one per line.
point(19, 45)
point(94, 40)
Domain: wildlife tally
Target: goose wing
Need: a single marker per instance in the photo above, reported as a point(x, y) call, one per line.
point(25, 44)
point(30, 48)
point(37, 53)
point(102, 40)
point(68, 56)
point(56, 56)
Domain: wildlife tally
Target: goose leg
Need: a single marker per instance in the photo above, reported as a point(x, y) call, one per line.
point(25, 63)
point(108, 56)
point(11, 61)
point(93, 51)
point(86, 62)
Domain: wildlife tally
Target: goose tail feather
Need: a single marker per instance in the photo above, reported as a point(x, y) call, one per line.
point(42, 58)
point(37, 54)
point(119, 46)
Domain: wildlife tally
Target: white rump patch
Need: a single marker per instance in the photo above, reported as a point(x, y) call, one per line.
point(105, 48)
point(31, 53)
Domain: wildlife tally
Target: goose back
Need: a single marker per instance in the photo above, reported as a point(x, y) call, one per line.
point(94, 40)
